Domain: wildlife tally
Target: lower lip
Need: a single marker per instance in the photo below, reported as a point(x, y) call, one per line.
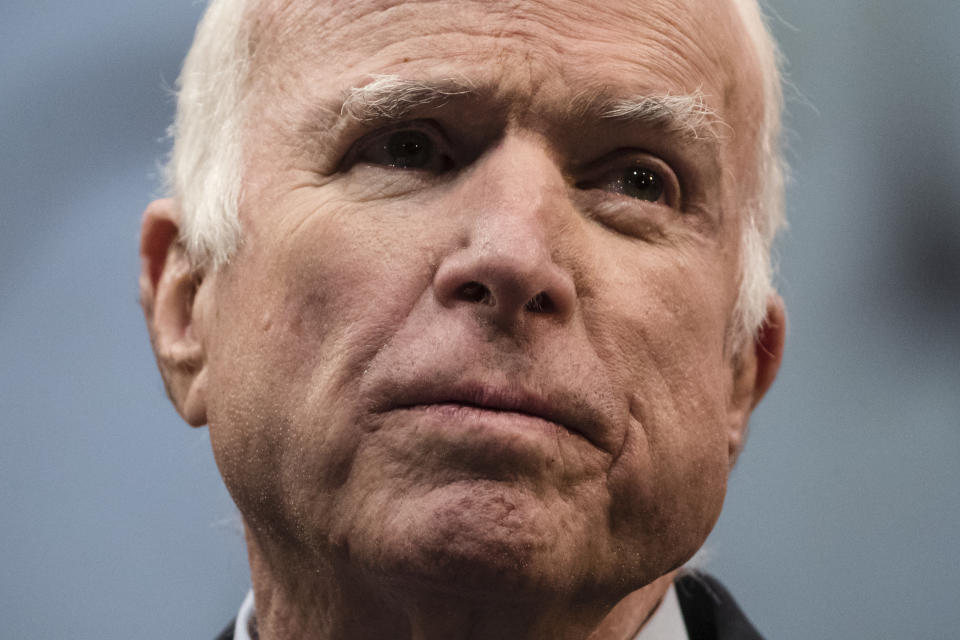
point(494, 417)
point(467, 442)
point(479, 426)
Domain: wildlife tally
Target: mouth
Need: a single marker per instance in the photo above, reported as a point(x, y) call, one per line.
point(480, 399)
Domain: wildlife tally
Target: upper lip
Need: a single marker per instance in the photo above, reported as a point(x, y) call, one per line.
point(556, 407)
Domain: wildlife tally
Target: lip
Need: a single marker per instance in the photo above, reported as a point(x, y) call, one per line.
point(555, 408)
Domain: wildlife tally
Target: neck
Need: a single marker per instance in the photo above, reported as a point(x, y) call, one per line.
point(326, 599)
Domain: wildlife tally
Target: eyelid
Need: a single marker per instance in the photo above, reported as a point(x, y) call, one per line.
point(429, 127)
point(597, 171)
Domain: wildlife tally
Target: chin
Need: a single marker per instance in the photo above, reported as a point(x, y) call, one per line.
point(481, 540)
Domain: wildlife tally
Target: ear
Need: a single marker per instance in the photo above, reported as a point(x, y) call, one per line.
point(754, 368)
point(168, 291)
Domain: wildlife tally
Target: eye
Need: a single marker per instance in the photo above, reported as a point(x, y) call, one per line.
point(638, 183)
point(414, 145)
point(647, 180)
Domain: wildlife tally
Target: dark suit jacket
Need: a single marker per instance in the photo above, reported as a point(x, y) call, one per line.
point(709, 611)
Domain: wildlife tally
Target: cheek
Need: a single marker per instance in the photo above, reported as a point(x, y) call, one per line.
point(668, 483)
point(300, 314)
point(669, 480)
point(668, 488)
point(325, 284)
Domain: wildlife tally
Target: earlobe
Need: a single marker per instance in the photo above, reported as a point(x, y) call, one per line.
point(754, 370)
point(168, 294)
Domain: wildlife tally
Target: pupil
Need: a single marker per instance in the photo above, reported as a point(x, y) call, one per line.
point(409, 149)
point(642, 184)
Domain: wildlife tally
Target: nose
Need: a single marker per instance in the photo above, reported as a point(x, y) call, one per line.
point(513, 204)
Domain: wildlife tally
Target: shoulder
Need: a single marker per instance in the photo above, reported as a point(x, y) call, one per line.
point(709, 611)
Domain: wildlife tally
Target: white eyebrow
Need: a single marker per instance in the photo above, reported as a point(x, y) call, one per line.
point(688, 114)
point(391, 97)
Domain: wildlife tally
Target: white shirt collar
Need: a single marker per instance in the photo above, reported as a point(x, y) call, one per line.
point(666, 623)
point(241, 630)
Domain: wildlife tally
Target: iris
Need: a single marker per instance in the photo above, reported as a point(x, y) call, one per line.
point(409, 149)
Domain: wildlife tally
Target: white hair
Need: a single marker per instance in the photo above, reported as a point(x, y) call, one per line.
point(204, 171)
point(766, 212)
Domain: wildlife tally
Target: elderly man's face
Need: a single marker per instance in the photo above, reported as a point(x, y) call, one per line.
point(485, 339)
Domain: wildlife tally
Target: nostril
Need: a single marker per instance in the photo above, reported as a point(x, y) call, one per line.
point(475, 292)
point(540, 303)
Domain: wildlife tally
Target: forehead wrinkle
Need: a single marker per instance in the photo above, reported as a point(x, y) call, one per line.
point(673, 31)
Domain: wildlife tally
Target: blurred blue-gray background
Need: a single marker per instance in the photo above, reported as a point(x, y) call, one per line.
point(843, 514)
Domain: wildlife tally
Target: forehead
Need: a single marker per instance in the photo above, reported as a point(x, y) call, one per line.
point(668, 46)
point(537, 59)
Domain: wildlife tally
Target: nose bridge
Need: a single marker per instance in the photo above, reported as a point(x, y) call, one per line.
point(511, 202)
point(514, 200)
point(517, 190)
